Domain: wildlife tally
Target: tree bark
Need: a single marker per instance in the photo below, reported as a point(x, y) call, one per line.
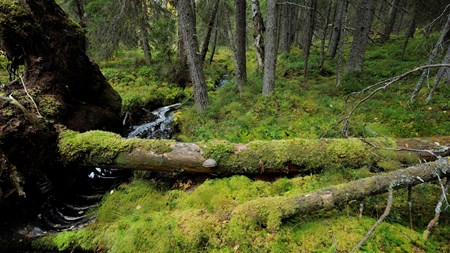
point(258, 35)
point(186, 15)
point(324, 35)
point(270, 210)
point(411, 28)
point(270, 59)
point(310, 25)
point(211, 20)
point(340, 48)
point(284, 28)
point(142, 8)
point(392, 15)
point(241, 43)
point(103, 149)
point(337, 28)
point(355, 59)
point(431, 58)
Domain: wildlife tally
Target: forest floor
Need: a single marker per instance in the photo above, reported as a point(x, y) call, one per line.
point(191, 214)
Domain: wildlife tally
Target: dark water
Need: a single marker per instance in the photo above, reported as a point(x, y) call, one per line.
point(67, 204)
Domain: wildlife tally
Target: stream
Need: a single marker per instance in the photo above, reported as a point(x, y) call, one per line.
point(67, 204)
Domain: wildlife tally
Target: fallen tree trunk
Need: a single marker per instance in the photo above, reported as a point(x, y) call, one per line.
point(304, 156)
point(271, 210)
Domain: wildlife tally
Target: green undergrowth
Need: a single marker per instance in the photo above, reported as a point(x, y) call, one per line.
point(311, 109)
point(146, 216)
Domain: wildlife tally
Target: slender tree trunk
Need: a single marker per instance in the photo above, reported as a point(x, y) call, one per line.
point(213, 51)
point(341, 11)
point(389, 27)
point(270, 59)
point(211, 20)
point(431, 58)
point(355, 60)
point(258, 35)
point(241, 43)
point(141, 11)
point(186, 16)
point(324, 35)
point(441, 73)
point(341, 45)
point(310, 25)
point(232, 40)
point(284, 28)
point(411, 29)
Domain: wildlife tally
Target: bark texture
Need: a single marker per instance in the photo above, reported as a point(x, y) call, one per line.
point(258, 34)
point(241, 43)
point(211, 21)
point(187, 20)
point(270, 59)
point(356, 57)
point(337, 28)
point(303, 156)
point(392, 16)
point(270, 210)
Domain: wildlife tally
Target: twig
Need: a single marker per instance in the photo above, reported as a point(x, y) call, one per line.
point(428, 26)
point(410, 207)
point(437, 210)
point(379, 221)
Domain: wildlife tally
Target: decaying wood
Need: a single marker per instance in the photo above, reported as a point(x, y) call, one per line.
point(278, 156)
point(264, 210)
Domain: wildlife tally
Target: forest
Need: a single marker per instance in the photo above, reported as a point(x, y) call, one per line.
point(224, 126)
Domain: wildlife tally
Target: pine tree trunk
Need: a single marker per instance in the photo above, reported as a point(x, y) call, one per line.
point(213, 51)
point(310, 25)
point(211, 20)
point(241, 43)
point(341, 11)
point(324, 35)
point(284, 28)
point(186, 16)
point(270, 59)
point(355, 59)
point(258, 35)
point(389, 27)
point(411, 29)
point(142, 8)
point(431, 58)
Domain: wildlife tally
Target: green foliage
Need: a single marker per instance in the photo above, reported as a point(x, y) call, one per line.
point(144, 216)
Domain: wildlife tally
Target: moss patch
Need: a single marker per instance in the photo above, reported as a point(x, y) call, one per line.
point(143, 216)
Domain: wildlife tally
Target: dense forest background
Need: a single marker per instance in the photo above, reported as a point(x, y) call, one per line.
point(250, 72)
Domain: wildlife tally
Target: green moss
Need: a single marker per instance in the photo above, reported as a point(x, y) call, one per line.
point(142, 216)
point(103, 147)
point(49, 106)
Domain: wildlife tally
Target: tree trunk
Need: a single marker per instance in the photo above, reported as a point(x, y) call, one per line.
point(389, 27)
point(213, 51)
point(411, 28)
point(270, 59)
point(310, 25)
point(443, 72)
point(341, 11)
point(211, 20)
point(143, 25)
point(241, 43)
point(355, 59)
point(284, 28)
point(258, 35)
point(103, 149)
point(270, 210)
point(341, 46)
point(324, 35)
point(186, 15)
point(431, 58)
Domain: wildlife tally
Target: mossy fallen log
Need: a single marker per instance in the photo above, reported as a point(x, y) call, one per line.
point(272, 210)
point(304, 156)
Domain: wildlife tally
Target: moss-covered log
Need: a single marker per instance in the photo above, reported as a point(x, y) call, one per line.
point(98, 148)
point(272, 210)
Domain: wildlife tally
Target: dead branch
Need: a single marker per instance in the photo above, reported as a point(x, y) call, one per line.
point(438, 210)
point(380, 86)
point(379, 221)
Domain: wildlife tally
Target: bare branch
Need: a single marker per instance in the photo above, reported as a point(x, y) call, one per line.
point(29, 96)
point(438, 209)
point(379, 221)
